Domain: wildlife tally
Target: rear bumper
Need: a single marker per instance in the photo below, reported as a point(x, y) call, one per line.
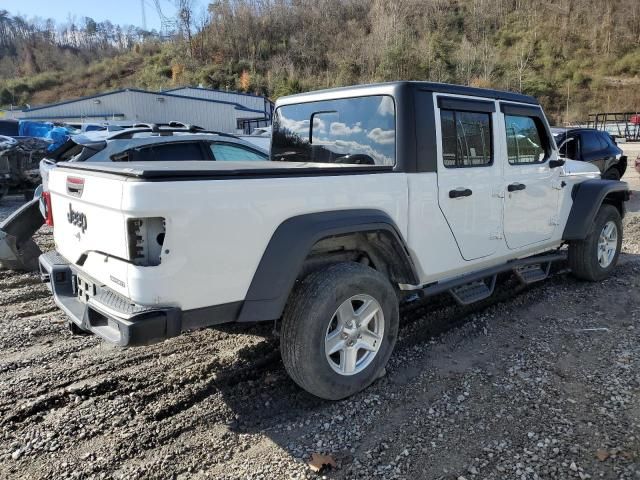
point(107, 314)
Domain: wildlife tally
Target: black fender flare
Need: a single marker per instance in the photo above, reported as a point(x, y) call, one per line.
point(290, 244)
point(588, 196)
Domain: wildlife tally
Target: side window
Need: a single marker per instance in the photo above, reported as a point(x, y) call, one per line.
point(590, 143)
point(123, 156)
point(351, 131)
point(167, 152)
point(226, 152)
point(524, 140)
point(605, 140)
point(175, 151)
point(466, 139)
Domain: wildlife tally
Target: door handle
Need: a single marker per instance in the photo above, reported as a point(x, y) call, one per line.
point(514, 187)
point(460, 192)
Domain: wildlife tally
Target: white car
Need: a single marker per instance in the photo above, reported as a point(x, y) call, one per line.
point(144, 143)
point(372, 194)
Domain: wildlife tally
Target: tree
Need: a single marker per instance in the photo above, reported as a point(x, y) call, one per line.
point(245, 81)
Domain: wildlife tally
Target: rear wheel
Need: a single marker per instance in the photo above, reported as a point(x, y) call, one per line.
point(596, 256)
point(339, 329)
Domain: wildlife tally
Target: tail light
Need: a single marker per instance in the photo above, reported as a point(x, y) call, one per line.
point(145, 239)
point(46, 196)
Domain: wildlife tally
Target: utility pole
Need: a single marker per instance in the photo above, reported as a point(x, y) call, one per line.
point(566, 120)
point(144, 15)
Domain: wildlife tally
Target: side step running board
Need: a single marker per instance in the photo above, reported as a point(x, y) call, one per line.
point(528, 274)
point(481, 284)
point(472, 292)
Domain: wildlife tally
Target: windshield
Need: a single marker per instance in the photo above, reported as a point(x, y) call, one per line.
point(352, 131)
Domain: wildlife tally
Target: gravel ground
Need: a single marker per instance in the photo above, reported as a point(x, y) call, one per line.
point(537, 383)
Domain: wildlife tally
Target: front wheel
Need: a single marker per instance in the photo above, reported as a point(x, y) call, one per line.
point(595, 257)
point(339, 329)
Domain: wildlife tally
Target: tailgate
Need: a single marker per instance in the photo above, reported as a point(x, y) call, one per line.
point(86, 214)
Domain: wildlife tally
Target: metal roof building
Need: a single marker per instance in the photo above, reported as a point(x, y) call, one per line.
point(211, 109)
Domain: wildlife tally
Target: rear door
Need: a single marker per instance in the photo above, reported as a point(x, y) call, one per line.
point(531, 187)
point(468, 175)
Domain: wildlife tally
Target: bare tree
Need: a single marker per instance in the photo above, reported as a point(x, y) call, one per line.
point(185, 20)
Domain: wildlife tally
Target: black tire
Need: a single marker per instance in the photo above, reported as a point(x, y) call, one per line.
point(611, 174)
point(583, 254)
point(309, 312)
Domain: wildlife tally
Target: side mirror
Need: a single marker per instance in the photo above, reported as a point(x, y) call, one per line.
point(556, 163)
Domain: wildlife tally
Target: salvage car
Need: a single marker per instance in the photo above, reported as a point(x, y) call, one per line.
point(372, 195)
point(594, 146)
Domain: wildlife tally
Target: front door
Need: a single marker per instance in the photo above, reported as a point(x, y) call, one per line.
point(468, 175)
point(531, 187)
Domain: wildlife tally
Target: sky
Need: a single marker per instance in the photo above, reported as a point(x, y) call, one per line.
point(122, 12)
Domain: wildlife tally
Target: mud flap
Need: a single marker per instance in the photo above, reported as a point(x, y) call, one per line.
point(18, 251)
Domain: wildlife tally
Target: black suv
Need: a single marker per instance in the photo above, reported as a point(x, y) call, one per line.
point(593, 146)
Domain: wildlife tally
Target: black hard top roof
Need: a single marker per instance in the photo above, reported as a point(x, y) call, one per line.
point(432, 87)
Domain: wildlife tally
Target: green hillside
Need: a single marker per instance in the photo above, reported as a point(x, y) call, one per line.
point(583, 51)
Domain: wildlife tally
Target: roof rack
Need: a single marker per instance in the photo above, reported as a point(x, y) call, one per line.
point(173, 127)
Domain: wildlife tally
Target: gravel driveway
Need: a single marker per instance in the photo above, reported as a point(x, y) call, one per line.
point(540, 382)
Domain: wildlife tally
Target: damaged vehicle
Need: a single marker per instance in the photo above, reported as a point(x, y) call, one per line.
point(22, 145)
point(373, 195)
point(5, 169)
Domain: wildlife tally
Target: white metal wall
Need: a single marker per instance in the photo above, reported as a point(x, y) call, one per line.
point(138, 106)
point(253, 102)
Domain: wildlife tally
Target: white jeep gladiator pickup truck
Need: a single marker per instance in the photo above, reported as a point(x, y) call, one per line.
point(372, 194)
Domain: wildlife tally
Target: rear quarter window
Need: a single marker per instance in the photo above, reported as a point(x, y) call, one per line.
point(352, 131)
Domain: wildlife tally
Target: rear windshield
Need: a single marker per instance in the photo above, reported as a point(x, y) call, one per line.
point(353, 131)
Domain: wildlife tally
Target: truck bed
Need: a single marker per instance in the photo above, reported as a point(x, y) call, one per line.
point(200, 169)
